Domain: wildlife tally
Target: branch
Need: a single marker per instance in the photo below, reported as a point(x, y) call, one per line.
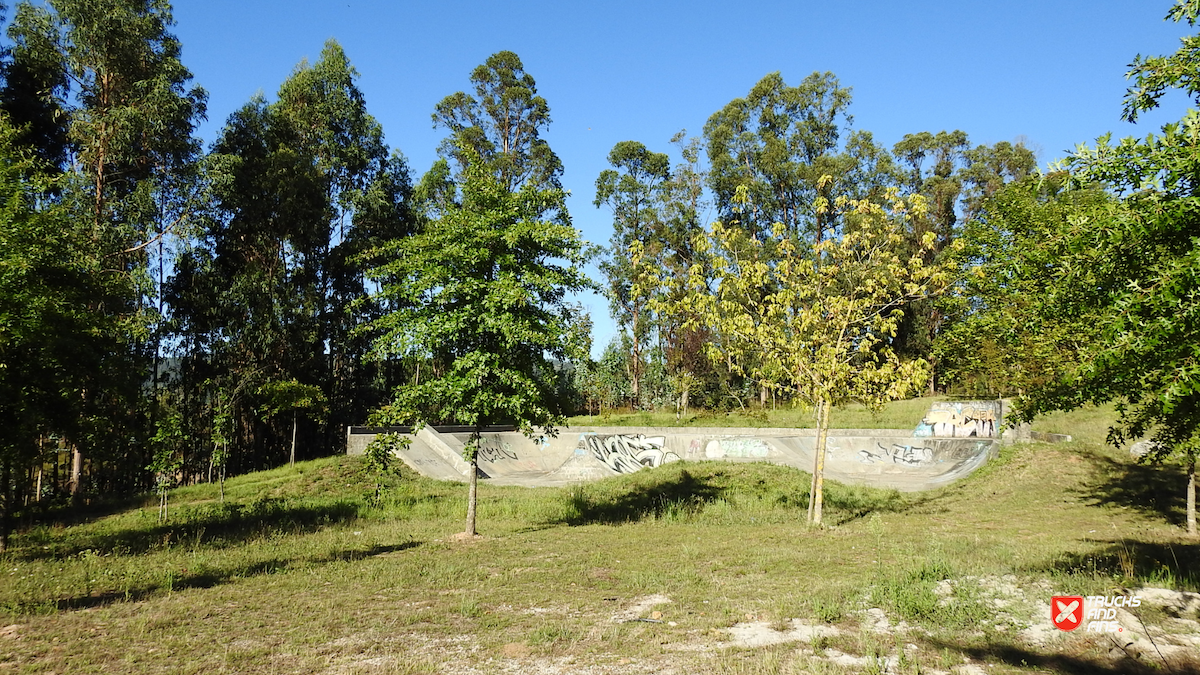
point(156, 237)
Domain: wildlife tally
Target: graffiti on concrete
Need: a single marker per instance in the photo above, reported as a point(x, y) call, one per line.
point(488, 453)
point(626, 453)
point(906, 455)
point(962, 419)
point(736, 447)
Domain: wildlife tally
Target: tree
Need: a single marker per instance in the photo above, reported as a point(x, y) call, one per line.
point(776, 144)
point(291, 396)
point(955, 180)
point(482, 289)
point(53, 341)
point(299, 187)
point(102, 81)
point(816, 318)
point(632, 191)
point(1142, 267)
point(1013, 329)
point(501, 125)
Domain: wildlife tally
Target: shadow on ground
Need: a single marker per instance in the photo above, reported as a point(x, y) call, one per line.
point(676, 492)
point(212, 577)
point(1155, 489)
point(1065, 663)
point(1169, 564)
point(214, 525)
point(681, 494)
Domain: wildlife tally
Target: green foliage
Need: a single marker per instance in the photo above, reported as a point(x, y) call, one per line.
point(815, 318)
point(774, 146)
point(279, 397)
point(632, 190)
point(53, 342)
point(261, 299)
point(1018, 324)
point(501, 126)
point(481, 291)
point(1138, 265)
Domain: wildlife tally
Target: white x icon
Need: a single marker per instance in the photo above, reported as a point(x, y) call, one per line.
point(1066, 611)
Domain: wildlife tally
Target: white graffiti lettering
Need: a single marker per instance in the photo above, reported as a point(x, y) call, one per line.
point(628, 453)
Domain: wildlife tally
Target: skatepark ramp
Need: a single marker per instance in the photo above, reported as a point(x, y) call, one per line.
point(893, 458)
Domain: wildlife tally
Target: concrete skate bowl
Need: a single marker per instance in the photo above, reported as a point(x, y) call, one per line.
point(892, 458)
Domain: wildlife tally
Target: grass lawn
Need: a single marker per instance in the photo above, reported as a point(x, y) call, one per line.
point(303, 570)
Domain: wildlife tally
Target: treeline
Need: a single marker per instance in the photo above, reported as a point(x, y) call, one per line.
point(769, 161)
point(170, 313)
point(174, 313)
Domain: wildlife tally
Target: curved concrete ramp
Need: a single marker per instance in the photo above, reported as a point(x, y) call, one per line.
point(882, 458)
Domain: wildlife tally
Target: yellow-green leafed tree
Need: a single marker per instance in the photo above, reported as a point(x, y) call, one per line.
point(817, 318)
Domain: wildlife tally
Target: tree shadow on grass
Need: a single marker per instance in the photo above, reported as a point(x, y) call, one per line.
point(1155, 489)
point(216, 525)
point(209, 578)
point(1136, 562)
point(681, 494)
point(675, 492)
point(1064, 663)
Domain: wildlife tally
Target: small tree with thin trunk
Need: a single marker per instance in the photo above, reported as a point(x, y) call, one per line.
point(481, 291)
point(816, 318)
point(291, 396)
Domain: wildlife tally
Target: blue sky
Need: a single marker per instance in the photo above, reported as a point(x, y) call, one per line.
point(1050, 73)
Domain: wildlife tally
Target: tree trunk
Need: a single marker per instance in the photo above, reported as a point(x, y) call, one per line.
point(816, 495)
point(76, 474)
point(5, 506)
point(473, 489)
point(292, 461)
point(472, 494)
point(762, 397)
point(1191, 497)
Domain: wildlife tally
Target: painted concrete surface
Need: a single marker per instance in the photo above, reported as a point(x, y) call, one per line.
point(885, 458)
point(962, 419)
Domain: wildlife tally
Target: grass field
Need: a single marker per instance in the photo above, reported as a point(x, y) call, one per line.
point(697, 568)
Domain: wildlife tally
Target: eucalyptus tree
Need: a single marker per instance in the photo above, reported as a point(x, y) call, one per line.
point(776, 143)
point(632, 190)
point(501, 124)
point(122, 113)
point(299, 186)
point(52, 338)
point(955, 179)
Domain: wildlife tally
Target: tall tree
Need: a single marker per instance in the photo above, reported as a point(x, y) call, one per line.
point(482, 290)
point(632, 190)
point(299, 187)
point(1013, 331)
point(776, 144)
point(129, 116)
point(1147, 274)
point(955, 180)
point(53, 341)
point(501, 125)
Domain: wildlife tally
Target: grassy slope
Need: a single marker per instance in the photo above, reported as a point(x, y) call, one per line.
point(297, 573)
